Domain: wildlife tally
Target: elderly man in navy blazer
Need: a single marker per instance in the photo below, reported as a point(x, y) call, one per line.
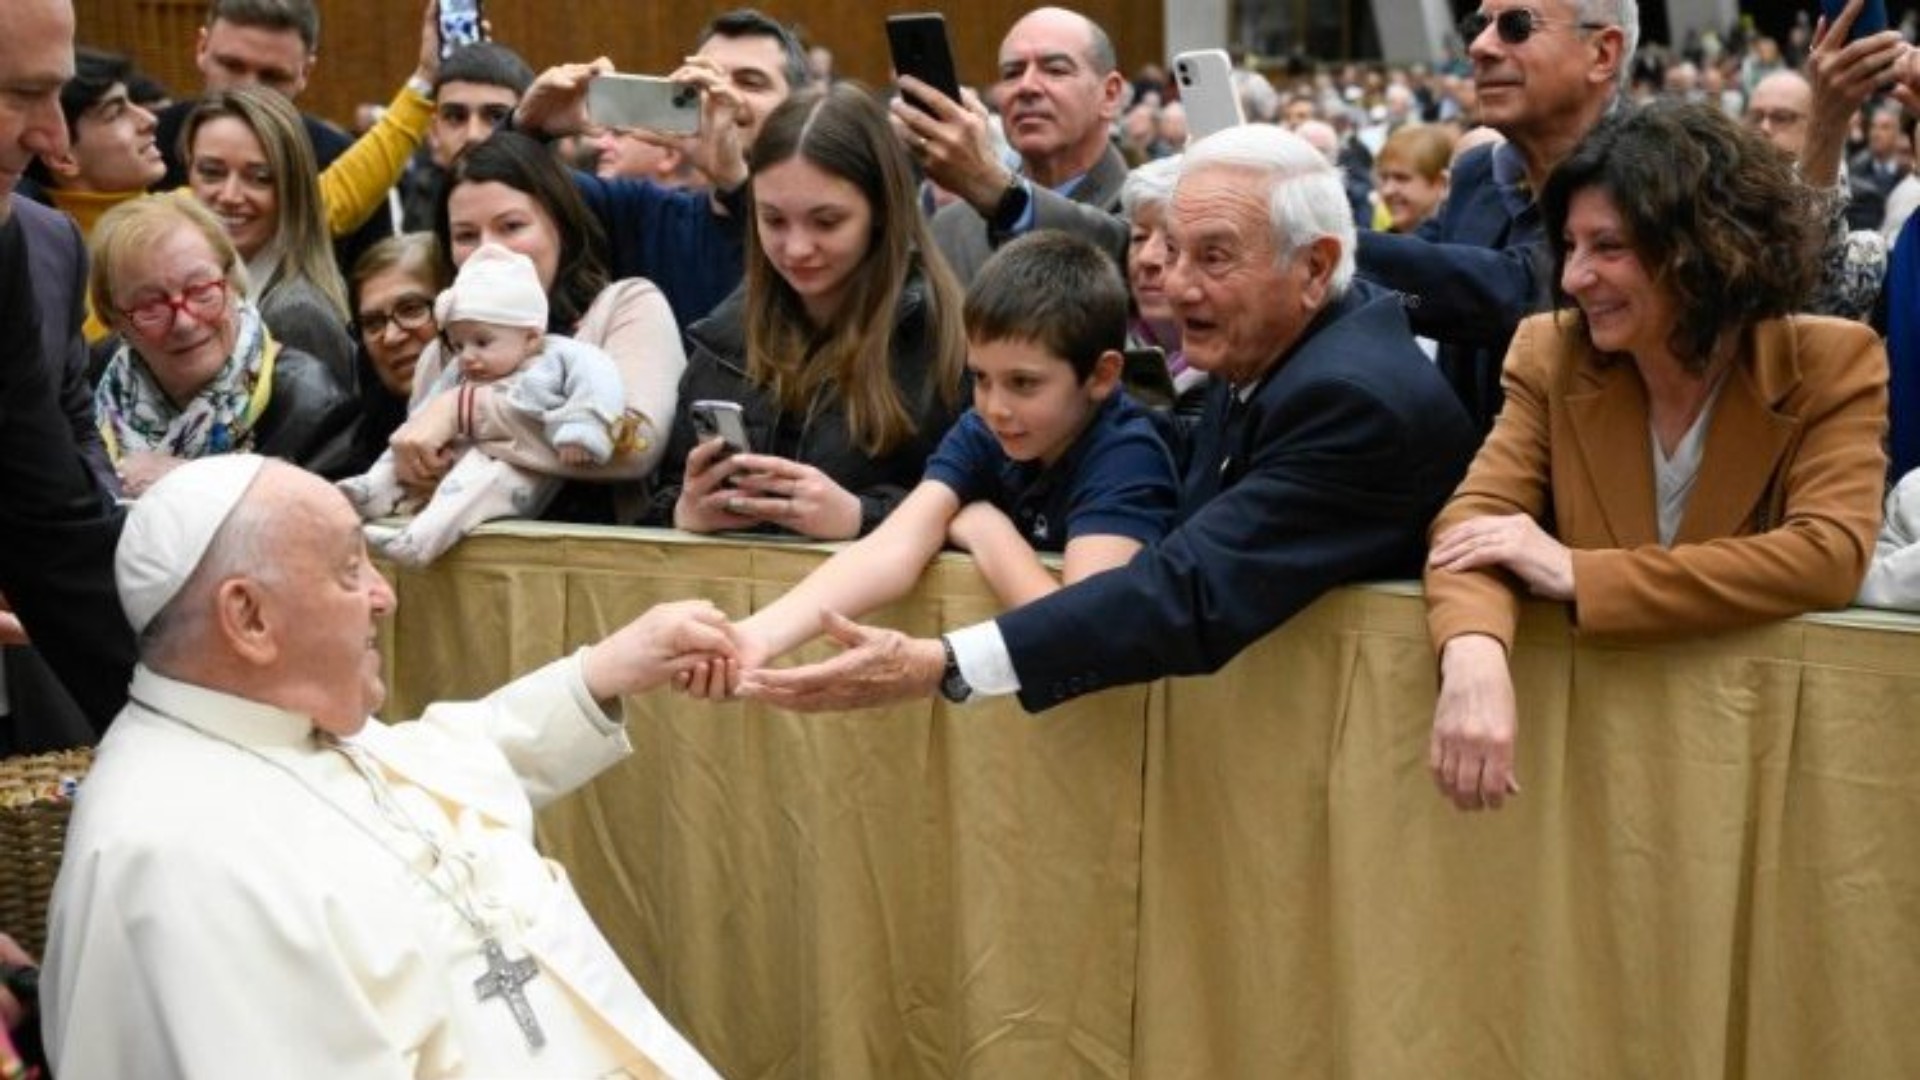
point(1327, 445)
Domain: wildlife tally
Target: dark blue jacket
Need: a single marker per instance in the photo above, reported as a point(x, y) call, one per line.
point(672, 238)
point(1471, 273)
point(57, 528)
point(1329, 473)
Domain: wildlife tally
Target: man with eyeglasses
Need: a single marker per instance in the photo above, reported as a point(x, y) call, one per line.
point(1779, 107)
point(475, 92)
point(1544, 72)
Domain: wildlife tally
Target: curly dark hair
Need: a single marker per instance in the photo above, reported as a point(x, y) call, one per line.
point(1718, 215)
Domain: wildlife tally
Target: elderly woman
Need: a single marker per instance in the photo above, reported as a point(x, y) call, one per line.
point(1703, 459)
point(197, 372)
point(249, 161)
point(1143, 202)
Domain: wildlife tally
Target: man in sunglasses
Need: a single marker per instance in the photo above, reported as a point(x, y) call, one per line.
point(1544, 72)
point(475, 92)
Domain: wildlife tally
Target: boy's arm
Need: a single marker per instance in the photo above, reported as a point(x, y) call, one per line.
point(1013, 569)
point(879, 568)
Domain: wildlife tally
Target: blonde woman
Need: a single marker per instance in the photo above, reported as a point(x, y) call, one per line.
point(249, 161)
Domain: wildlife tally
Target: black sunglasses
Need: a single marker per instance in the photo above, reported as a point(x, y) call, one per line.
point(1515, 25)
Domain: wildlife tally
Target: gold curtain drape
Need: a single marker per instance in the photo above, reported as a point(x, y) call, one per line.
point(1714, 869)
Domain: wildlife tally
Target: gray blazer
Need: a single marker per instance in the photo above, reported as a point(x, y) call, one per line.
point(299, 317)
point(1091, 212)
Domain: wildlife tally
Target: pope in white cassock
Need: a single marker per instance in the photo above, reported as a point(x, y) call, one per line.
point(260, 881)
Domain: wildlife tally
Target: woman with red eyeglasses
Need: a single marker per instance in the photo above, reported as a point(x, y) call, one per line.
point(197, 371)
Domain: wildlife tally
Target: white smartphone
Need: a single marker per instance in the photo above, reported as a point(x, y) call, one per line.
point(643, 101)
point(722, 420)
point(1205, 79)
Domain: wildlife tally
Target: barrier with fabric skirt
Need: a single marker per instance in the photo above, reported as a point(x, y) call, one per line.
point(1714, 869)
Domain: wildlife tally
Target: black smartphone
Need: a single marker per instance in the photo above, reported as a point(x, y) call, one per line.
point(920, 49)
point(460, 25)
point(1872, 20)
point(722, 420)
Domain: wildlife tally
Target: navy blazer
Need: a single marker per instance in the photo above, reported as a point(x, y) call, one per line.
point(58, 257)
point(1471, 273)
point(57, 533)
point(1330, 474)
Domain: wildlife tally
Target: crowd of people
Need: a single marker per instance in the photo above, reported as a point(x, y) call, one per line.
point(1564, 314)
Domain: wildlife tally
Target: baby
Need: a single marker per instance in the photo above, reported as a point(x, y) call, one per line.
point(493, 325)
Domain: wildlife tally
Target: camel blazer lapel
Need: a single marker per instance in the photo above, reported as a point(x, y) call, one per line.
point(1746, 441)
point(1606, 409)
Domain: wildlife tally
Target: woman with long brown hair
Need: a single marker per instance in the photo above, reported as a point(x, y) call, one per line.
point(844, 348)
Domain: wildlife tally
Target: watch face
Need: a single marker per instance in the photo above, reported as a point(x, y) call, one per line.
point(953, 685)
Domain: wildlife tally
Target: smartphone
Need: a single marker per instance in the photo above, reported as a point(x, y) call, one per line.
point(722, 420)
point(1205, 78)
point(460, 25)
point(1872, 20)
point(643, 101)
point(919, 46)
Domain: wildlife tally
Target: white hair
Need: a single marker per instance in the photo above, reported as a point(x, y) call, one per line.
point(1624, 14)
point(1149, 185)
point(1305, 198)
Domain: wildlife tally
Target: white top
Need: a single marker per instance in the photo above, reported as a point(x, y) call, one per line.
point(1673, 477)
point(1893, 580)
point(234, 902)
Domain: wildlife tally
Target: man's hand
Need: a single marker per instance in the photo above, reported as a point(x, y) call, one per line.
point(422, 446)
point(950, 141)
point(715, 149)
point(1514, 541)
point(1474, 724)
point(878, 667)
point(668, 639)
point(718, 678)
point(556, 103)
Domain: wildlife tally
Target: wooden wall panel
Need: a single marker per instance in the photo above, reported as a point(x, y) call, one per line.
point(368, 46)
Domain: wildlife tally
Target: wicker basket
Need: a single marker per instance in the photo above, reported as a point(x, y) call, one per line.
point(36, 795)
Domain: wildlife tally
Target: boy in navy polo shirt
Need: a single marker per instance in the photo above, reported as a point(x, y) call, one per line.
point(1053, 457)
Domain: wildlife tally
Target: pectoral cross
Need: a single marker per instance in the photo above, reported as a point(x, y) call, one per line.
point(503, 979)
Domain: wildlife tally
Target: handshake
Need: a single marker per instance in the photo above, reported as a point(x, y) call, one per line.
point(695, 647)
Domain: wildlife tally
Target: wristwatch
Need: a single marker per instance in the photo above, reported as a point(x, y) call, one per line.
point(953, 685)
point(1012, 205)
